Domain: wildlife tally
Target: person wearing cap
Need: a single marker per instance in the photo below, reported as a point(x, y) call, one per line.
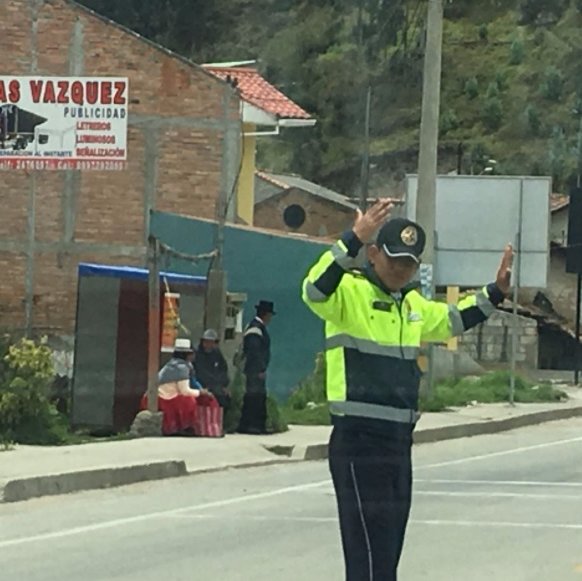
point(212, 369)
point(257, 355)
point(375, 323)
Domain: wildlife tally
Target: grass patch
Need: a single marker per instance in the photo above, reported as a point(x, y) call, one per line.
point(490, 388)
point(311, 416)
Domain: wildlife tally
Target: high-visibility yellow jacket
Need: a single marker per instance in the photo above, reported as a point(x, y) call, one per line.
point(373, 336)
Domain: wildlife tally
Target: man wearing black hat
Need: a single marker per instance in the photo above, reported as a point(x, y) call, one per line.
point(375, 325)
point(257, 355)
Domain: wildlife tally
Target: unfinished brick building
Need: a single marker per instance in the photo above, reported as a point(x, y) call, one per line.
point(183, 151)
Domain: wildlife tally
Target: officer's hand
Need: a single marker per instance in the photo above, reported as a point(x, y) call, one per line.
point(367, 224)
point(503, 280)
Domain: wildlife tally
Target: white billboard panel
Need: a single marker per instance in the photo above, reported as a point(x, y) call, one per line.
point(63, 123)
point(476, 216)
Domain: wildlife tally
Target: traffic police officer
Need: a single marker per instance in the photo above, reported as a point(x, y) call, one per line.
point(375, 325)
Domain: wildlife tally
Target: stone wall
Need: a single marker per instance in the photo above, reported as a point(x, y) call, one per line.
point(491, 342)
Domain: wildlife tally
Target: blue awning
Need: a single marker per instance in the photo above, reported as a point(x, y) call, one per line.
point(133, 273)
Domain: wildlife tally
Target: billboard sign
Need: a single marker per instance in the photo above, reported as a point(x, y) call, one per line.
point(63, 123)
point(476, 216)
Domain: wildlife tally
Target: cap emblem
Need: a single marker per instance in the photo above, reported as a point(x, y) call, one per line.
point(409, 235)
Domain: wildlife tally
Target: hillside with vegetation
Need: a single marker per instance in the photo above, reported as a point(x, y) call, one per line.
point(512, 78)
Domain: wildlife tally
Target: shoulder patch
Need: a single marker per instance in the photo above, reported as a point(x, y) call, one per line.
point(253, 331)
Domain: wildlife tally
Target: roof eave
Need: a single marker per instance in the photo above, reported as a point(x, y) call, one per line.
point(290, 122)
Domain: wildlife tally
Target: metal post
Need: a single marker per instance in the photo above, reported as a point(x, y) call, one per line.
point(153, 322)
point(516, 281)
point(30, 257)
point(429, 127)
point(428, 155)
point(577, 351)
point(365, 173)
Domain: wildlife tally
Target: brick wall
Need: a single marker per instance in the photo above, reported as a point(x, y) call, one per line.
point(491, 341)
point(183, 142)
point(323, 218)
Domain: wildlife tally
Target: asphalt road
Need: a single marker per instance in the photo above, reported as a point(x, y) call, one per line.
point(505, 507)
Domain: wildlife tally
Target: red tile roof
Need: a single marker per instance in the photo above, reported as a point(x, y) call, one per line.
point(559, 201)
point(259, 92)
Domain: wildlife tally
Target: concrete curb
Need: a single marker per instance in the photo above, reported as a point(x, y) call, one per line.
point(495, 426)
point(320, 451)
point(36, 486)
point(26, 488)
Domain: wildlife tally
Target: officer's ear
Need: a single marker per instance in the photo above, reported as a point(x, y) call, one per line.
point(373, 252)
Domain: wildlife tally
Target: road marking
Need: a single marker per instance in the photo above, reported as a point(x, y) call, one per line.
point(460, 523)
point(501, 483)
point(518, 495)
point(499, 524)
point(153, 515)
point(499, 454)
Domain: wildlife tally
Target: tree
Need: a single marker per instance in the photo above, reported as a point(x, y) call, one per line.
point(516, 52)
point(559, 157)
point(534, 122)
point(492, 113)
point(553, 84)
point(472, 88)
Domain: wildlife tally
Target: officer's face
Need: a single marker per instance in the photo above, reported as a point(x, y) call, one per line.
point(395, 273)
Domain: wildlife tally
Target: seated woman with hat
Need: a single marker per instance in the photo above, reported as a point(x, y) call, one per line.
point(176, 398)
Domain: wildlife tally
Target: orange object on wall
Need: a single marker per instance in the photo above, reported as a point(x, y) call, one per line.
point(170, 321)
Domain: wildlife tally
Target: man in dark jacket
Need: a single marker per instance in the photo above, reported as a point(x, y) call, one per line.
point(211, 368)
point(257, 353)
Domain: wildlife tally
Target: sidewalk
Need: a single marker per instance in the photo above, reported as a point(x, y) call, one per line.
point(30, 471)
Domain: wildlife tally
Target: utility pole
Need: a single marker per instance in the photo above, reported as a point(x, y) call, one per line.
point(429, 128)
point(428, 154)
point(365, 173)
point(153, 322)
point(217, 281)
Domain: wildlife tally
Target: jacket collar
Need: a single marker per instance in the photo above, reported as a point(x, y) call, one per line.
point(371, 275)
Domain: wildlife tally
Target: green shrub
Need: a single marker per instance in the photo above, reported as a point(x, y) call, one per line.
point(448, 122)
point(275, 421)
point(492, 114)
point(484, 32)
point(553, 85)
point(534, 121)
point(517, 52)
point(492, 90)
point(312, 389)
point(472, 88)
point(501, 81)
point(26, 414)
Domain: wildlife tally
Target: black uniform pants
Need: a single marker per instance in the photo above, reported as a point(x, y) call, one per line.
point(254, 411)
point(372, 478)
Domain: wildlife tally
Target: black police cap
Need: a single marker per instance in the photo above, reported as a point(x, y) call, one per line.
point(402, 238)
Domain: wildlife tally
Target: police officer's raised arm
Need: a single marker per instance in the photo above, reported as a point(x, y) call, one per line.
point(441, 321)
point(322, 290)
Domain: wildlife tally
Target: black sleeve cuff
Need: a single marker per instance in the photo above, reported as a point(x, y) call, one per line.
point(353, 243)
point(495, 295)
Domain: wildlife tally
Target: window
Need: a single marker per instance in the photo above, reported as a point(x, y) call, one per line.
point(294, 216)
